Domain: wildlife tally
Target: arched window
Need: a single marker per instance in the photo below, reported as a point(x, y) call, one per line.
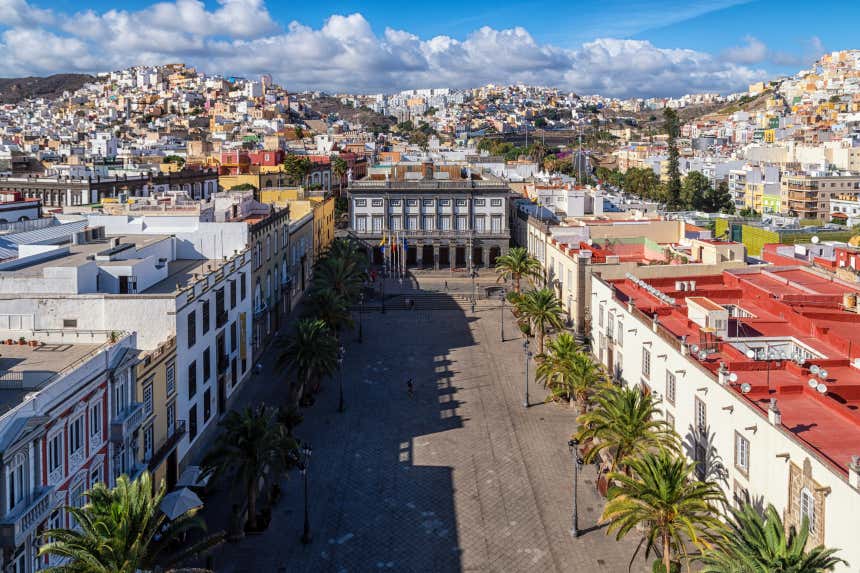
point(258, 295)
point(268, 246)
point(807, 508)
point(268, 286)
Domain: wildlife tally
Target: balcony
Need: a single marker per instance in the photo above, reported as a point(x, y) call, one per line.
point(126, 423)
point(16, 526)
point(169, 444)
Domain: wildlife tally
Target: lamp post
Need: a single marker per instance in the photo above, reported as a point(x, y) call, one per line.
point(360, 314)
point(474, 293)
point(341, 352)
point(502, 313)
point(528, 356)
point(570, 310)
point(573, 446)
point(304, 465)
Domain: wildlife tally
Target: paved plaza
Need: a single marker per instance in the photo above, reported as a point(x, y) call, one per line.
point(461, 477)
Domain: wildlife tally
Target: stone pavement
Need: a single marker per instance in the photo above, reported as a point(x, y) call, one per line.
point(459, 478)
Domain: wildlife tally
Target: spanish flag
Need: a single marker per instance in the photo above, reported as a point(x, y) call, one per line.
point(382, 242)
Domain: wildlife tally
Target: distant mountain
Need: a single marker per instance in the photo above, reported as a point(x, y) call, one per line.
point(13, 90)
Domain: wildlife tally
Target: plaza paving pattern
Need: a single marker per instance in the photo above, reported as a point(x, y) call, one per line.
point(460, 477)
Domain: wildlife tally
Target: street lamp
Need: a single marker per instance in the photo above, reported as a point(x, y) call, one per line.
point(570, 310)
point(474, 293)
point(502, 313)
point(528, 356)
point(573, 446)
point(360, 314)
point(304, 464)
point(341, 352)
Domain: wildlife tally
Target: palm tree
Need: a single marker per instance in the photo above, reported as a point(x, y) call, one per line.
point(331, 308)
point(759, 544)
point(252, 444)
point(340, 274)
point(516, 265)
point(122, 530)
point(344, 249)
point(569, 372)
point(624, 422)
point(543, 310)
point(663, 501)
point(311, 351)
point(339, 167)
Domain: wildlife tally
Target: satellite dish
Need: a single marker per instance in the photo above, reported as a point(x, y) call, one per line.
point(815, 369)
point(589, 242)
point(745, 388)
point(694, 348)
point(815, 239)
point(702, 355)
point(812, 382)
point(751, 354)
point(823, 374)
point(822, 389)
point(733, 377)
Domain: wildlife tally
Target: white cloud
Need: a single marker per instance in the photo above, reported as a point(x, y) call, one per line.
point(240, 37)
point(753, 52)
point(21, 13)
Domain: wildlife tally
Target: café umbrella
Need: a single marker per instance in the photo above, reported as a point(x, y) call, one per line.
point(179, 502)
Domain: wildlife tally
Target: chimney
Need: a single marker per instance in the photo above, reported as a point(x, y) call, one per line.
point(723, 374)
point(854, 472)
point(685, 348)
point(655, 323)
point(773, 414)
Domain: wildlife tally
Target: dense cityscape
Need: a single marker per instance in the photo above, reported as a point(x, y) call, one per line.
point(252, 327)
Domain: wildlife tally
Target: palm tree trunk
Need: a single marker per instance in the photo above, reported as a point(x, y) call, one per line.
point(252, 504)
point(540, 335)
point(516, 278)
point(667, 556)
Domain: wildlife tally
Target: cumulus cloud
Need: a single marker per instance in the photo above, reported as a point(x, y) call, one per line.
point(754, 51)
point(241, 37)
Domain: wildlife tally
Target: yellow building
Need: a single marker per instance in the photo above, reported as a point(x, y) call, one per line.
point(323, 224)
point(160, 431)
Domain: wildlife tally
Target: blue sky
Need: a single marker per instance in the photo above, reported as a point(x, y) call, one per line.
point(639, 47)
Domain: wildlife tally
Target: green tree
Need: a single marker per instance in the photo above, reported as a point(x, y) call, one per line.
point(641, 182)
point(718, 200)
point(624, 423)
point(537, 151)
point(297, 168)
point(180, 161)
point(299, 132)
point(693, 191)
point(662, 500)
point(311, 351)
point(517, 264)
point(543, 311)
point(123, 530)
point(673, 185)
point(252, 445)
point(758, 543)
point(243, 187)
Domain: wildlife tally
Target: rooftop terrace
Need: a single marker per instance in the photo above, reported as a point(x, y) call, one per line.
point(25, 369)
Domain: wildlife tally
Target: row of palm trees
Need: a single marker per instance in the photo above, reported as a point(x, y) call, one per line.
point(652, 489)
point(123, 530)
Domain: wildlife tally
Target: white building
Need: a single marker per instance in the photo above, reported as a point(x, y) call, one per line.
point(779, 430)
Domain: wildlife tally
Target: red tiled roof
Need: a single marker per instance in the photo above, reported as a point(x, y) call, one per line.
point(784, 303)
